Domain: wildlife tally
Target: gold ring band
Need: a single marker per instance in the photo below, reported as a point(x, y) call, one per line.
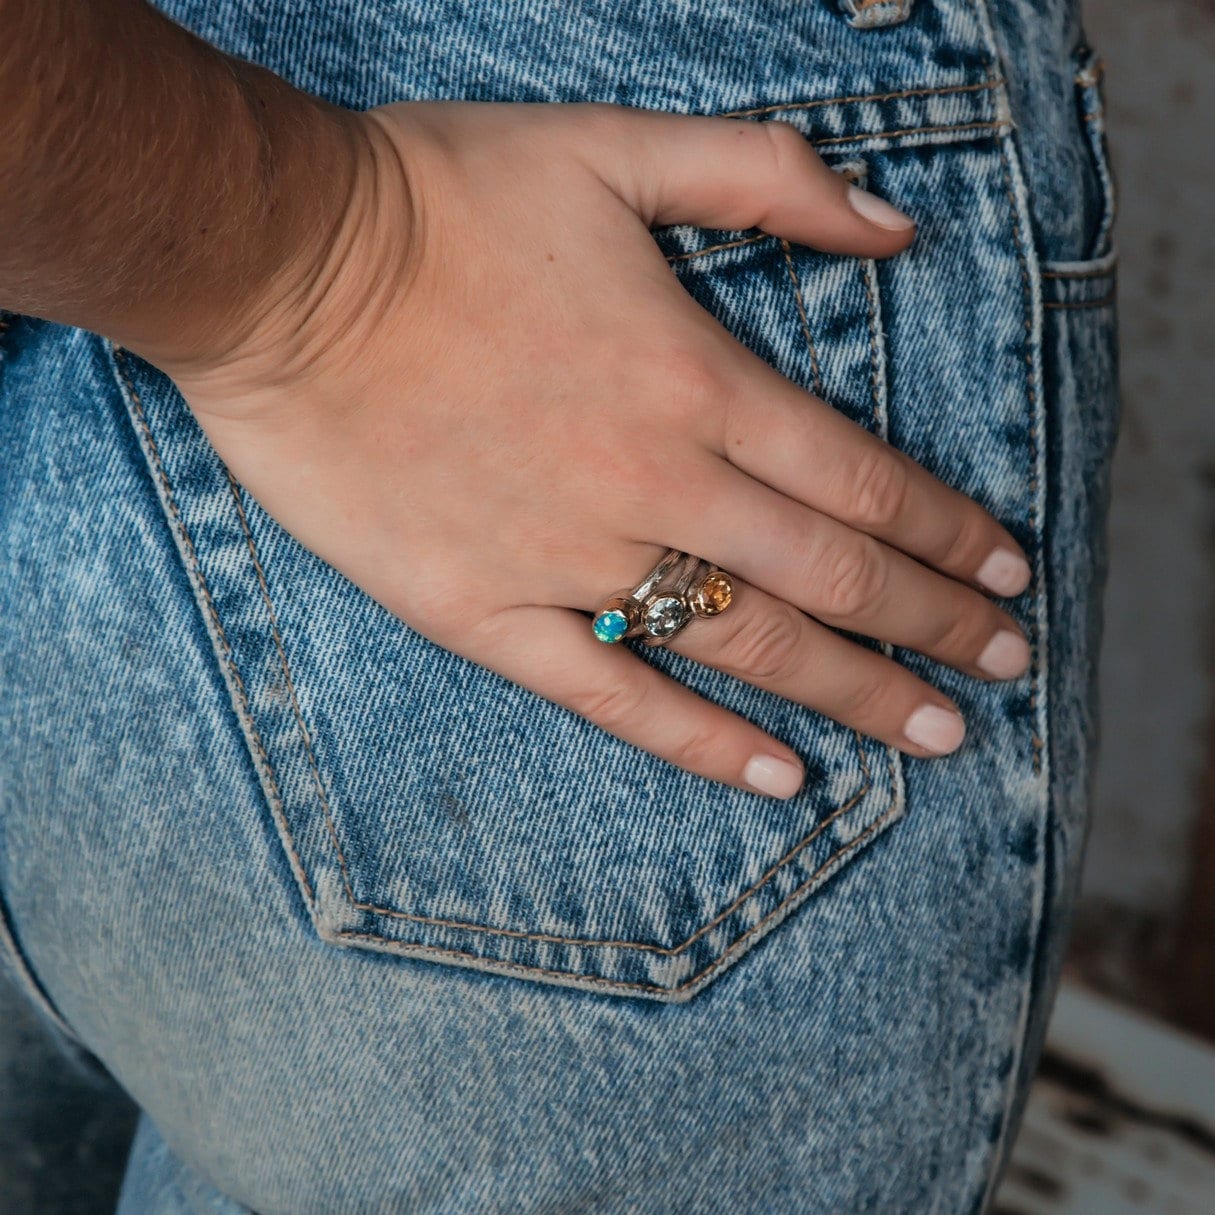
point(657, 613)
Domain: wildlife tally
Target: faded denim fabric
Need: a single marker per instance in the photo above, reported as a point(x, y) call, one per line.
point(364, 927)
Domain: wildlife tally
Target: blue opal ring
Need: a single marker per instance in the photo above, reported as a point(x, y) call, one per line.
point(658, 613)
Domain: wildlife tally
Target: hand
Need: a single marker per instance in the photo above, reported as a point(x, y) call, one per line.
point(474, 403)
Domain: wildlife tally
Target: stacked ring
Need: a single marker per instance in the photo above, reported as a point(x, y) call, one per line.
point(655, 613)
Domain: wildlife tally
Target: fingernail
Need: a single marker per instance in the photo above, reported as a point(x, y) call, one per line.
point(775, 777)
point(1004, 572)
point(1005, 656)
point(878, 211)
point(936, 729)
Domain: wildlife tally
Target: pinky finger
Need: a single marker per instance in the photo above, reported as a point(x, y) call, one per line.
point(551, 651)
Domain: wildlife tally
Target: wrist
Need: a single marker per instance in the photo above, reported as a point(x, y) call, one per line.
point(337, 267)
point(162, 198)
point(292, 165)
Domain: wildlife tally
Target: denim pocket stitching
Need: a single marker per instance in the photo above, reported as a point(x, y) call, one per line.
point(957, 126)
point(499, 964)
point(1104, 302)
point(360, 905)
point(726, 956)
point(852, 136)
point(899, 94)
point(195, 567)
point(803, 319)
point(727, 244)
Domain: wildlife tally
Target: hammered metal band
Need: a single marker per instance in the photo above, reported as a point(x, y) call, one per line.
point(656, 613)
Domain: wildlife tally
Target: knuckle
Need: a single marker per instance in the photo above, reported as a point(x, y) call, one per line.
point(959, 544)
point(865, 701)
point(882, 487)
point(768, 649)
point(854, 576)
point(431, 604)
point(636, 478)
point(691, 381)
point(612, 706)
point(786, 146)
point(698, 751)
point(961, 635)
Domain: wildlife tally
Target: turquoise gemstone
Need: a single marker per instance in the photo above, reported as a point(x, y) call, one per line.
point(610, 626)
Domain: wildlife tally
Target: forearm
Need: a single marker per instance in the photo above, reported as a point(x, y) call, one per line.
point(152, 188)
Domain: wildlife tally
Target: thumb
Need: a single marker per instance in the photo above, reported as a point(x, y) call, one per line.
point(736, 173)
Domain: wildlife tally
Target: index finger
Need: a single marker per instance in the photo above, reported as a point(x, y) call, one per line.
point(798, 444)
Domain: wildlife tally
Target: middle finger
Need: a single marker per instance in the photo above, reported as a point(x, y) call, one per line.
point(802, 447)
point(841, 576)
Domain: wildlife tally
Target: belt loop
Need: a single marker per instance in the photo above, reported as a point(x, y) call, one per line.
point(873, 14)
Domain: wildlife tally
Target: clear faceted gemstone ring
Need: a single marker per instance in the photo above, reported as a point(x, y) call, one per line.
point(665, 612)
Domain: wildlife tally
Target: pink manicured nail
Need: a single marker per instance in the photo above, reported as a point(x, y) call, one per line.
point(775, 777)
point(935, 729)
point(878, 211)
point(1004, 573)
point(1005, 656)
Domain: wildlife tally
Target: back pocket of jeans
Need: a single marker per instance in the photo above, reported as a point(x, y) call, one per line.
point(433, 809)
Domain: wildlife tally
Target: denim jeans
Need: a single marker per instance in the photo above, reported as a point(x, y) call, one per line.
point(364, 927)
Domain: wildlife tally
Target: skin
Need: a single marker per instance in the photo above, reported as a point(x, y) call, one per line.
point(410, 359)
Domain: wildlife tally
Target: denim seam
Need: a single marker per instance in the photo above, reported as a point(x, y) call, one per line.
point(668, 951)
point(1103, 302)
point(959, 126)
point(1000, 1144)
point(721, 960)
point(729, 244)
point(880, 388)
point(219, 638)
point(1089, 82)
point(1034, 444)
point(20, 970)
point(925, 91)
point(869, 277)
point(801, 313)
point(1031, 296)
point(992, 125)
point(1070, 274)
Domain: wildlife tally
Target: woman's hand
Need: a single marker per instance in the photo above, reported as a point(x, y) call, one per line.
point(491, 404)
